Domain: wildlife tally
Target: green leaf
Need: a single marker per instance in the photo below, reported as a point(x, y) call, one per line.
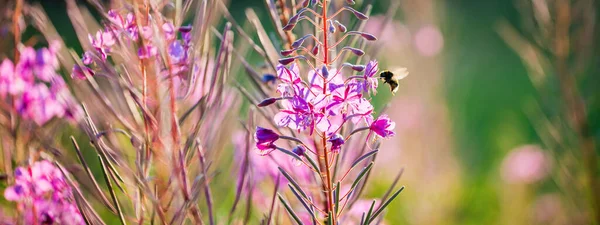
point(289, 209)
point(385, 204)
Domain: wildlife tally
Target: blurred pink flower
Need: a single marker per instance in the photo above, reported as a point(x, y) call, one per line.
point(429, 40)
point(394, 35)
point(43, 196)
point(526, 164)
point(546, 208)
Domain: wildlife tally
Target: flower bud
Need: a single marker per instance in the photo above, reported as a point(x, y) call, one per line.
point(331, 27)
point(289, 27)
point(324, 71)
point(300, 41)
point(299, 150)
point(356, 51)
point(359, 15)
point(358, 68)
point(341, 26)
point(336, 142)
point(185, 29)
point(368, 36)
point(286, 61)
point(267, 102)
point(305, 3)
point(264, 140)
point(287, 52)
point(135, 142)
point(315, 49)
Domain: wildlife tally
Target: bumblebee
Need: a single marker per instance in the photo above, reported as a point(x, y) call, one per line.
point(392, 78)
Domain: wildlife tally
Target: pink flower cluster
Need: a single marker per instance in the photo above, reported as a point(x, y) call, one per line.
point(35, 90)
point(125, 29)
point(309, 105)
point(43, 196)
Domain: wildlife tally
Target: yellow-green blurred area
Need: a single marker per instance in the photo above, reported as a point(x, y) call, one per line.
point(479, 142)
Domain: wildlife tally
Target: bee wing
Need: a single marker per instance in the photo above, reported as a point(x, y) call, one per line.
point(400, 73)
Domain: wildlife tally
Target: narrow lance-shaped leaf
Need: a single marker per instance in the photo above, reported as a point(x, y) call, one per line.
point(304, 203)
point(361, 175)
point(293, 182)
point(289, 209)
point(363, 157)
point(367, 218)
point(337, 196)
point(385, 204)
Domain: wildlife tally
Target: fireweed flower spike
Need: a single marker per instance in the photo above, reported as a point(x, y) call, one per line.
point(43, 194)
point(38, 92)
point(324, 106)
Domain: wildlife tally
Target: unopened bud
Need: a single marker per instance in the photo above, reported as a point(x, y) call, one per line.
point(287, 52)
point(185, 29)
point(286, 61)
point(135, 142)
point(324, 71)
point(305, 3)
point(331, 27)
point(358, 68)
point(315, 49)
point(267, 102)
point(300, 41)
point(359, 15)
point(350, 2)
point(299, 150)
point(368, 36)
point(289, 26)
point(356, 51)
point(341, 26)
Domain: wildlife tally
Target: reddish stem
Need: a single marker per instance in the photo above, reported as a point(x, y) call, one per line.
point(328, 187)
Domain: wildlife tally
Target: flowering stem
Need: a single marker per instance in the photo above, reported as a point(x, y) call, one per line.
point(16, 29)
point(328, 187)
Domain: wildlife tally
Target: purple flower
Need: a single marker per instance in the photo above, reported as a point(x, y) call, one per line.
point(45, 65)
point(149, 52)
point(7, 75)
point(78, 72)
point(298, 114)
point(102, 42)
point(336, 142)
point(264, 140)
point(87, 58)
point(349, 102)
point(383, 126)
point(38, 104)
point(43, 195)
point(177, 52)
point(291, 75)
point(370, 80)
point(169, 30)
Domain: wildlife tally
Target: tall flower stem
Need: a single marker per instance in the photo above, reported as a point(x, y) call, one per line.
point(328, 185)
